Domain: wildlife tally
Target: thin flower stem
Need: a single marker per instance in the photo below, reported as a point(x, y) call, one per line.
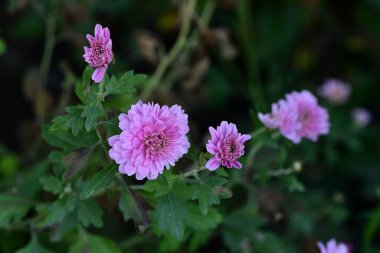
point(281, 172)
point(101, 90)
point(172, 55)
point(102, 142)
point(51, 24)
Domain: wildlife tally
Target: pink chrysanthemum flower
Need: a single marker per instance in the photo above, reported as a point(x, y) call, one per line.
point(99, 55)
point(361, 116)
point(227, 144)
point(297, 117)
point(283, 118)
point(313, 119)
point(334, 90)
point(153, 137)
point(333, 247)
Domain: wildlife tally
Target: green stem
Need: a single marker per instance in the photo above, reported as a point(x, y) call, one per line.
point(101, 91)
point(172, 55)
point(51, 24)
point(102, 142)
point(281, 172)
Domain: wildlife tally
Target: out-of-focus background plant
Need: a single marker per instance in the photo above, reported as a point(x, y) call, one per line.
point(219, 60)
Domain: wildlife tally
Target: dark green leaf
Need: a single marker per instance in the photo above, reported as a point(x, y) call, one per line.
point(89, 212)
point(12, 208)
point(33, 247)
point(205, 195)
point(72, 120)
point(171, 214)
point(91, 113)
point(126, 84)
point(76, 160)
point(51, 184)
point(129, 207)
point(56, 212)
point(98, 181)
point(293, 184)
point(198, 221)
point(93, 244)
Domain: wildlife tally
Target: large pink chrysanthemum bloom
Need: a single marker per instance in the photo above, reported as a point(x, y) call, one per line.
point(336, 91)
point(153, 137)
point(333, 247)
point(227, 144)
point(99, 55)
point(297, 117)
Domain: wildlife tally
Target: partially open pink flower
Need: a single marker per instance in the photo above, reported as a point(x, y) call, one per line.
point(227, 144)
point(297, 117)
point(152, 137)
point(99, 55)
point(334, 90)
point(333, 247)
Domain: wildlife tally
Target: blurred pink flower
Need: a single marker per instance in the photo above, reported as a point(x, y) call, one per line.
point(99, 55)
point(333, 247)
point(297, 117)
point(227, 144)
point(361, 116)
point(334, 90)
point(152, 137)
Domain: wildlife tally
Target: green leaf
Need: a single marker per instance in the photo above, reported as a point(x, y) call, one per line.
point(3, 46)
point(171, 214)
point(67, 141)
point(205, 195)
point(91, 113)
point(129, 207)
point(93, 244)
point(162, 185)
point(56, 212)
point(51, 184)
point(126, 84)
point(80, 87)
point(72, 120)
point(89, 212)
point(293, 184)
point(76, 160)
point(198, 221)
point(33, 247)
point(98, 181)
point(13, 208)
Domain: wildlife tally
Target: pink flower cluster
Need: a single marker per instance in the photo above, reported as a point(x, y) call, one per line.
point(297, 116)
point(333, 247)
point(154, 137)
point(99, 55)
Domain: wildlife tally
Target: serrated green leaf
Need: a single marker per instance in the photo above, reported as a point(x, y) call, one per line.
point(98, 181)
point(33, 247)
point(205, 195)
point(91, 113)
point(171, 214)
point(93, 244)
point(129, 207)
point(162, 185)
point(72, 120)
point(198, 221)
point(56, 212)
point(67, 141)
point(51, 184)
point(126, 84)
point(13, 208)
point(89, 212)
